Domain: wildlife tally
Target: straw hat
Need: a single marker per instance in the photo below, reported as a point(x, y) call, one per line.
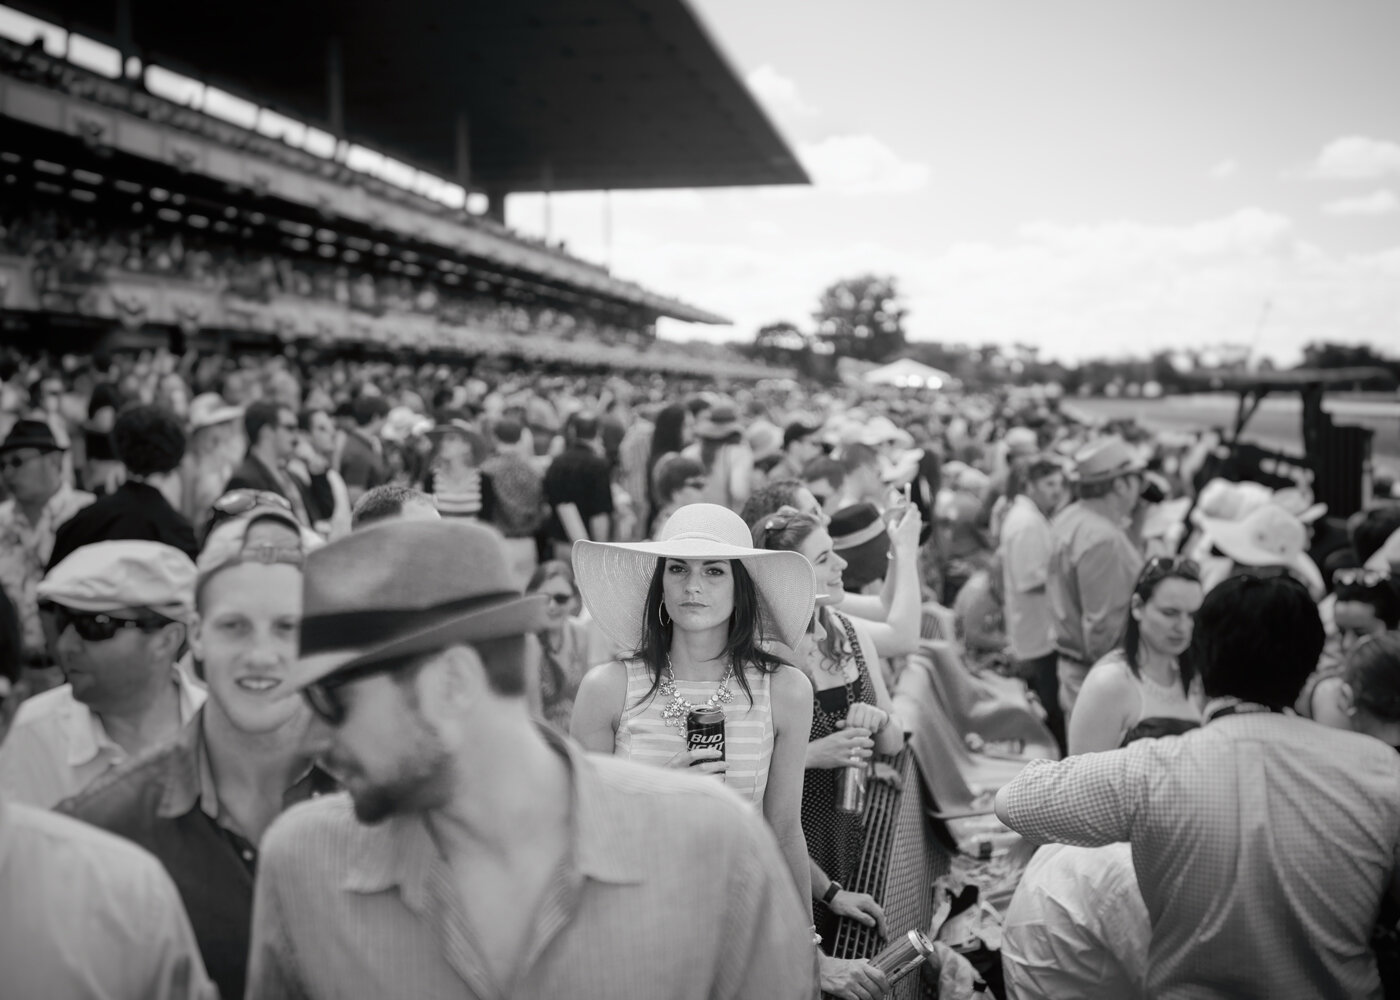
point(208, 409)
point(718, 423)
point(1266, 537)
point(1105, 459)
point(614, 577)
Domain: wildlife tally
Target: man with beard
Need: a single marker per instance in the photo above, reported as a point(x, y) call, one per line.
point(478, 854)
point(116, 615)
point(202, 803)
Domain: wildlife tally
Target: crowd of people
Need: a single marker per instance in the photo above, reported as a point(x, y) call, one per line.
point(379, 679)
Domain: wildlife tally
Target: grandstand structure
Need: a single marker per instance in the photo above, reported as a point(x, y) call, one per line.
point(335, 176)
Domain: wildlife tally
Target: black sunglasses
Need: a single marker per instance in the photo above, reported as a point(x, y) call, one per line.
point(98, 627)
point(1160, 566)
point(324, 697)
point(9, 462)
point(560, 599)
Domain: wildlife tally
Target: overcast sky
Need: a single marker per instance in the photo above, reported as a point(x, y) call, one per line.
point(1091, 176)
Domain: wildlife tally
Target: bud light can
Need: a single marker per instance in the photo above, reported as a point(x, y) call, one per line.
point(704, 730)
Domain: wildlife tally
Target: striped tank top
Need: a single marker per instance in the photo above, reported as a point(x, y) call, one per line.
point(643, 735)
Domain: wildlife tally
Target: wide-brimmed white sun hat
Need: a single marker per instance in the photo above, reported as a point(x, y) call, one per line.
point(1265, 537)
point(613, 577)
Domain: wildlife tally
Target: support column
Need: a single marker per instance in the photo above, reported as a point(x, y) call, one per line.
point(496, 204)
point(464, 158)
point(335, 87)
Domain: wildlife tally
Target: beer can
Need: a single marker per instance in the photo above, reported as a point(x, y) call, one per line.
point(704, 730)
point(851, 783)
point(903, 955)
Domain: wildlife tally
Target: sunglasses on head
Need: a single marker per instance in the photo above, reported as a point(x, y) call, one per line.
point(237, 502)
point(1163, 566)
point(1359, 577)
point(95, 626)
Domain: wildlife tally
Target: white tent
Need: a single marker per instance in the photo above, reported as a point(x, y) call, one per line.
point(908, 373)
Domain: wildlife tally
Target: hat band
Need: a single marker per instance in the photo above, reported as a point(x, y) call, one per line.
point(344, 630)
point(860, 536)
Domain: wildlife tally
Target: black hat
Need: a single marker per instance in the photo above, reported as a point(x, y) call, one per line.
point(30, 434)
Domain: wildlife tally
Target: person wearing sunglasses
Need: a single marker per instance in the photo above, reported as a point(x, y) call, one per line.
point(272, 441)
point(31, 468)
point(564, 643)
point(477, 847)
point(1152, 675)
point(202, 803)
point(115, 614)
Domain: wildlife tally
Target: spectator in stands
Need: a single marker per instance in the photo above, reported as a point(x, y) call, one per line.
point(579, 491)
point(68, 896)
point(825, 479)
point(674, 426)
point(979, 620)
point(1077, 925)
point(1038, 490)
point(1093, 563)
point(31, 468)
point(633, 470)
point(564, 644)
point(272, 441)
point(781, 493)
point(1153, 675)
point(801, 444)
point(679, 481)
point(861, 483)
point(1226, 823)
point(455, 478)
point(391, 503)
point(313, 466)
point(362, 456)
point(102, 472)
point(117, 614)
point(202, 803)
point(216, 447)
point(150, 443)
point(521, 510)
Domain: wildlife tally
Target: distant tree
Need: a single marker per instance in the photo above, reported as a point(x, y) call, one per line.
point(862, 318)
point(780, 342)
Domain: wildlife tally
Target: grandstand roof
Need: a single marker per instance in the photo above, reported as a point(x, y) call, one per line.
point(560, 94)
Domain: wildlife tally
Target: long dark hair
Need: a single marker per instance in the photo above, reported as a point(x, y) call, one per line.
point(741, 647)
point(667, 436)
point(1156, 571)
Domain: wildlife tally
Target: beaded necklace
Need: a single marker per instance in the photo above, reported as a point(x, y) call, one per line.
point(676, 712)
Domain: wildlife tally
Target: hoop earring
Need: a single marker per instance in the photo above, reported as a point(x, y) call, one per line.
point(661, 610)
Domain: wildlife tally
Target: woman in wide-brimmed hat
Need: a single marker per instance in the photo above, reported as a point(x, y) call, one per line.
point(697, 607)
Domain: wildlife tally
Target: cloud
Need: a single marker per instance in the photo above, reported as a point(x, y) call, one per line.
point(1379, 202)
point(860, 165)
point(1356, 157)
point(1224, 169)
point(778, 93)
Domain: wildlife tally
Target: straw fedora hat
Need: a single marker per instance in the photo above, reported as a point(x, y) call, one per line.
point(1105, 459)
point(405, 587)
point(718, 423)
point(614, 577)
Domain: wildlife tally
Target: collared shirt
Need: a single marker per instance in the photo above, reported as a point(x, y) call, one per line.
point(1093, 568)
point(1262, 843)
point(57, 746)
point(1077, 926)
point(87, 914)
point(672, 887)
point(25, 549)
point(1025, 562)
point(166, 801)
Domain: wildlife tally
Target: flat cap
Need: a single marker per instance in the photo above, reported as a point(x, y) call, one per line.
point(126, 573)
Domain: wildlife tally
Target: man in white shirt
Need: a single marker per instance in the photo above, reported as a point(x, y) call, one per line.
point(1025, 550)
point(116, 614)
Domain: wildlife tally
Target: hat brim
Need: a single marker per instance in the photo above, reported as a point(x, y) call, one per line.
point(1132, 468)
point(1232, 538)
point(517, 616)
point(613, 579)
point(213, 418)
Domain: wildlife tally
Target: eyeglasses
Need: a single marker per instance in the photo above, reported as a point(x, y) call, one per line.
point(1359, 577)
point(324, 697)
point(1163, 566)
point(9, 462)
point(236, 502)
point(96, 626)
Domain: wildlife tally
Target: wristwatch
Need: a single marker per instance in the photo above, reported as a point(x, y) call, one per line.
point(831, 892)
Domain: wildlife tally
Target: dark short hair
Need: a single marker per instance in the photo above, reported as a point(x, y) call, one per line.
point(858, 456)
point(366, 409)
point(1382, 596)
point(1042, 466)
point(584, 425)
point(148, 439)
point(772, 497)
point(1373, 670)
point(824, 468)
point(259, 415)
point(1258, 639)
point(672, 473)
point(383, 503)
point(1377, 524)
point(507, 431)
point(305, 417)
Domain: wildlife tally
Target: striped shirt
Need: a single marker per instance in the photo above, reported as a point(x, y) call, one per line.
point(644, 736)
point(1262, 845)
point(671, 889)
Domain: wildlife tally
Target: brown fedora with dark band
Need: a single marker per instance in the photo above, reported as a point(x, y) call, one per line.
point(406, 587)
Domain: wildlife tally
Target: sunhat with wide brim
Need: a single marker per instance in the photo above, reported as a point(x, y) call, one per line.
point(1268, 536)
point(613, 577)
point(405, 587)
